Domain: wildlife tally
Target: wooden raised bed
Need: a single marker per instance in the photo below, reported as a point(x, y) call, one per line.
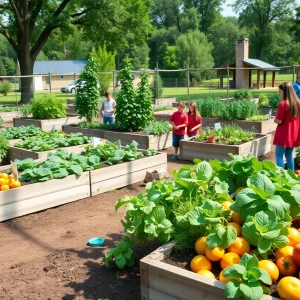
point(9, 116)
point(190, 149)
point(260, 127)
point(164, 115)
point(120, 175)
point(35, 197)
point(168, 101)
point(20, 153)
point(46, 125)
point(162, 281)
point(157, 142)
point(265, 110)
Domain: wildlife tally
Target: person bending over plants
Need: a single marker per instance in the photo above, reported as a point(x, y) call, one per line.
point(194, 120)
point(108, 108)
point(287, 135)
point(179, 120)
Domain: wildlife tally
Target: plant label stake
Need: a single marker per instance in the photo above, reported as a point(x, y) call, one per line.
point(14, 170)
point(95, 141)
point(270, 113)
point(148, 130)
point(218, 126)
point(119, 141)
point(53, 128)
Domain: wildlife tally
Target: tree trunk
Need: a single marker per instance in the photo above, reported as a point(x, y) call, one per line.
point(26, 68)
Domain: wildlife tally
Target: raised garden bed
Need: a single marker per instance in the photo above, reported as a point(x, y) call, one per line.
point(190, 149)
point(260, 127)
point(163, 115)
point(9, 116)
point(163, 281)
point(168, 101)
point(265, 111)
point(20, 153)
point(126, 173)
point(46, 125)
point(35, 197)
point(157, 142)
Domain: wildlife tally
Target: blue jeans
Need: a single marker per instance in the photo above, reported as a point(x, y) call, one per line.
point(288, 152)
point(108, 120)
point(176, 140)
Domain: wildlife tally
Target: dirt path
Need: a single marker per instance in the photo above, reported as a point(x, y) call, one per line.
point(45, 256)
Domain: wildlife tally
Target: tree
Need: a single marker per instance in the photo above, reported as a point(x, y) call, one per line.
point(259, 16)
point(296, 25)
point(28, 24)
point(194, 50)
point(87, 94)
point(157, 87)
point(106, 63)
point(2, 69)
point(207, 10)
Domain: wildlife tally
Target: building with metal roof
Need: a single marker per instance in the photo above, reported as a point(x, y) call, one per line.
point(59, 66)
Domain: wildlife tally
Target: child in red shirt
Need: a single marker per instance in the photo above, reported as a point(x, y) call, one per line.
point(194, 119)
point(287, 135)
point(179, 121)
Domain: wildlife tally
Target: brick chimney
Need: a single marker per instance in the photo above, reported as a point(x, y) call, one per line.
point(242, 53)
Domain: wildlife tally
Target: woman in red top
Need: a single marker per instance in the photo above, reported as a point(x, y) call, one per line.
point(195, 120)
point(287, 135)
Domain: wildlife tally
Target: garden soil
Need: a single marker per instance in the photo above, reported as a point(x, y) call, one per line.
point(45, 255)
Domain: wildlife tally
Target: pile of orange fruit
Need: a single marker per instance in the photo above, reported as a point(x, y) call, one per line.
point(8, 182)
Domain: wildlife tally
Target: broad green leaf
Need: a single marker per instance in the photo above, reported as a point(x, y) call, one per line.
point(265, 221)
point(249, 261)
point(148, 207)
point(229, 237)
point(122, 201)
point(234, 271)
point(204, 171)
point(270, 235)
point(276, 204)
point(76, 169)
point(212, 241)
point(252, 290)
point(250, 233)
point(280, 241)
point(211, 208)
point(121, 261)
point(253, 275)
point(196, 216)
point(232, 289)
point(221, 188)
point(262, 185)
point(264, 245)
point(265, 277)
point(245, 196)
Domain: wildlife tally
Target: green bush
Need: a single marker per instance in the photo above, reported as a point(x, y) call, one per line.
point(274, 100)
point(238, 110)
point(26, 110)
point(210, 108)
point(48, 107)
point(3, 148)
point(5, 88)
point(243, 94)
point(157, 87)
point(87, 98)
point(263, 100)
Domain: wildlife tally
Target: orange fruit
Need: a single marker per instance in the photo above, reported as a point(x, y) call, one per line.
point(238, 190)
point(287, 266)
point(226, 205)
point(284, 251)
point(15, 184)
point(214, 254)
point(289, 288)
point(271, 268)
point(2, 181)
point(294, 236)
point(229, 259)
point(240, 246)
point(4, 187)
point(4, 175)
point(237, 227)
point(235, 217)
point(206, 273)
point(200, 245)
point(200, 262)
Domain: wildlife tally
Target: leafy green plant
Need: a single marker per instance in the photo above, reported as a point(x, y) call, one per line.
point(5, 87)
point(87, 97)
point(125, 102)
point(26, 110)
point(50, 140)
point(242, 94)
point(21, 132)
point(8, 108)
point(3, 148)
point(157, 87)
point(263, 100)
point(1, 122)
point(265, 231)
point(274, 100)
point(238, 110)
point(160, 127)
point(258, 118)
point(250, 279)
point(210, 108)
point(48, 107)
point(162, 108)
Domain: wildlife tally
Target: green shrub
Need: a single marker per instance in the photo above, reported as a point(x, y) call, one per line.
point(238, 110)
point(1, 121)
point(263, 100)
point(3, 148)
point(157, 87)
point(5, 87)
point(48, 107)
point(26, 110)
point(87, 98)
point(274, 100)
point(210, 108)
point(8, 108)
point(243, 94)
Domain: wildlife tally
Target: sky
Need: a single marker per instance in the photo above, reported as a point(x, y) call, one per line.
point(228, 11)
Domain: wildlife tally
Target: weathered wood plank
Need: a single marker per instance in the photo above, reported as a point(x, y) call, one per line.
point(8, 116)
point(85, 131)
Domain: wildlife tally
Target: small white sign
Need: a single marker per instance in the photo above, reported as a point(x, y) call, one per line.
point(218, 126)
point(270, 113)
point(53, 128)
point(95, 141)
point(120, 146)
point(14, 170)
point(148, 130)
